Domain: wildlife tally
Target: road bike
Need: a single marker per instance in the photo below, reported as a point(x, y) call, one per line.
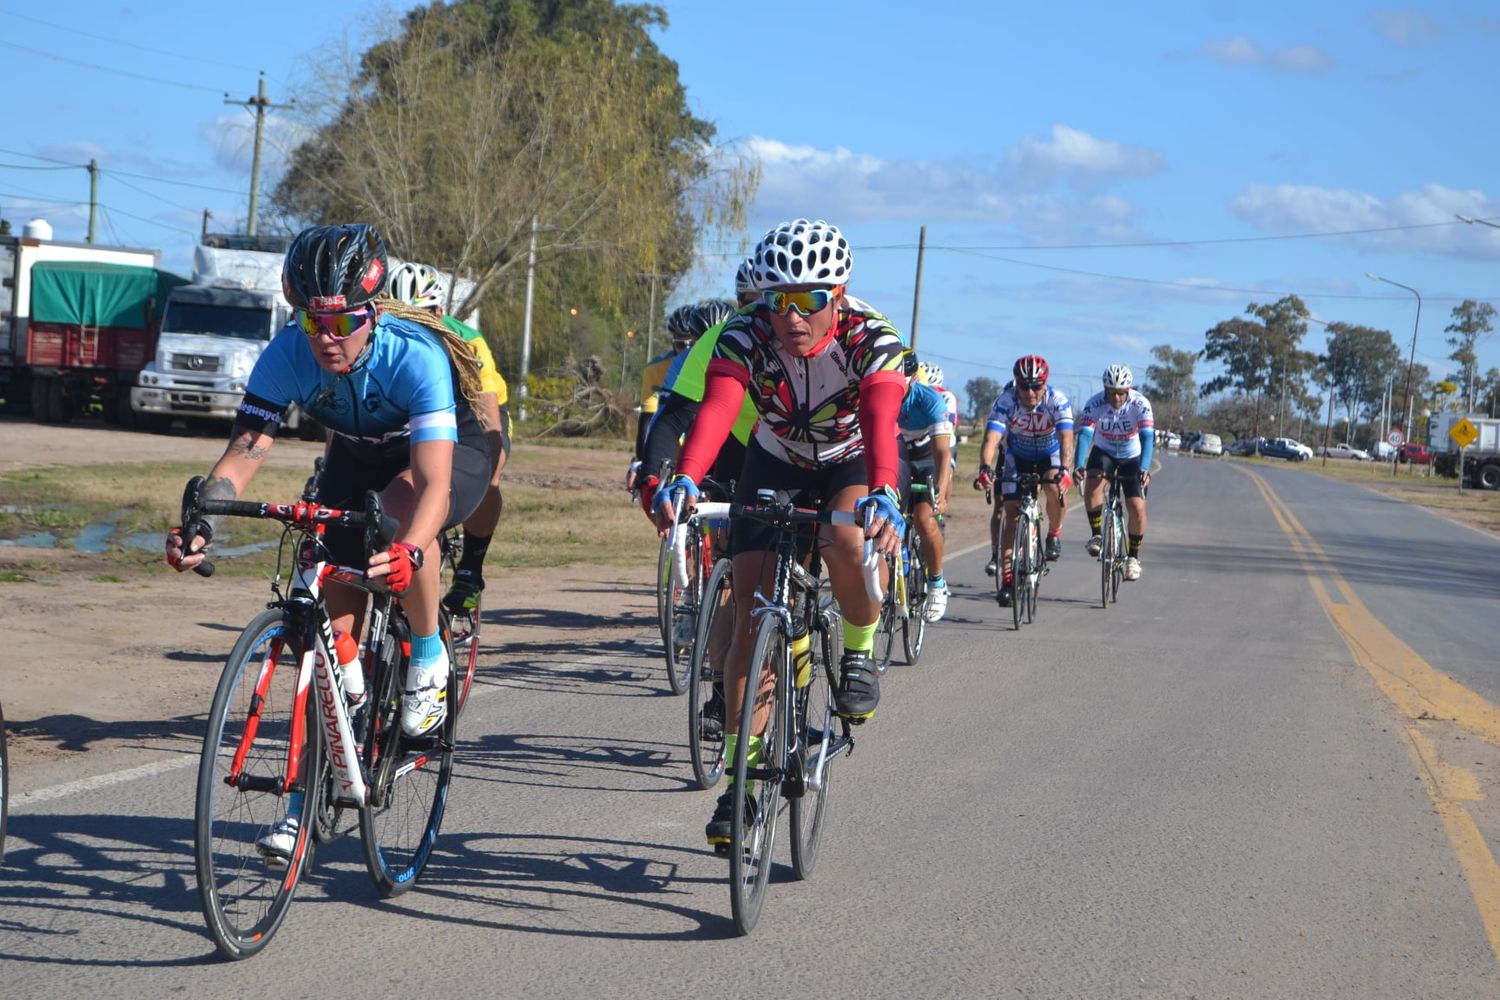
point(1112, 551)
point(264, 740)
point(692, 545)
point(1028, 552)
point(802, 734)
point(905, 602)
point(687, 561)
point(462, 623)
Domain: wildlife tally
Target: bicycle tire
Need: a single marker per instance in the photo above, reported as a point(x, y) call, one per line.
point(683, 608)
point(463, 625)
point(914, 629)
point(705, 752)
point(401, 817)
point(813, 716)
point(244, 895)
point(1107, 555)
point(1118, 576)
point(1020, 570)
point(753, 839)
point(1034, 576)
point(885, 626)
point(664, 590)
point(4, 785)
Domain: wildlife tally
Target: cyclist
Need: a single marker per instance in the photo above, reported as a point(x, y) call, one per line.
point(930, 374)
point(425, 288)
point(397, 392)
point(927, 437)
point(824, 372)
point(680, 327)
point(1034, 421)
point(1126, 439)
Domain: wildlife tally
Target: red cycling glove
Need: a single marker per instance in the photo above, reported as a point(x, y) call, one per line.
point(406, 559)
point(648, 492)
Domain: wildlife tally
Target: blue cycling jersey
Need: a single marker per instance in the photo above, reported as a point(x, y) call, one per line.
point(924, 412)
point(401, 385)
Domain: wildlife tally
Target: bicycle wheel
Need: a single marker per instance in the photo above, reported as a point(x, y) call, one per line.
point(409, 780)
point(1021, 560)
point(813, 715)
point(1117, 558)
point(914, 629)
point(682, 615)
point(1107, 556)
point(706, 749)
point(1037, 564)
point(664, 591)
point(463, 626)
point(244, 894)
point(889, 621)
point(4, 785)
point(753, 835)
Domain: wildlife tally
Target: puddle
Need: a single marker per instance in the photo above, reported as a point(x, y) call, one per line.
point(95, 537)
point(36, 540)
point(151, 542)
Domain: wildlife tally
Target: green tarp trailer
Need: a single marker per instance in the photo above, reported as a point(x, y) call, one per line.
point(99, 316)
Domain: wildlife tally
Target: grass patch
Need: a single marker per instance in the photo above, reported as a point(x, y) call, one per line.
point(107, 578)
point(14, 576)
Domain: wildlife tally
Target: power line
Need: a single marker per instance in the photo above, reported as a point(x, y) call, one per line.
point(149, 222)
point(112, 170)
point(153, 194)
point(118, 42)
point(110, 69)
point(19, 166)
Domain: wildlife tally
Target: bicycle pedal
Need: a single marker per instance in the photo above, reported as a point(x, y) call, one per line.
point(721, 848)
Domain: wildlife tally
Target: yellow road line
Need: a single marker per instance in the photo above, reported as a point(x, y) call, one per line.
point(1423, 695)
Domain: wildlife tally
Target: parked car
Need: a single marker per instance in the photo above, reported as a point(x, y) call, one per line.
point(1345, 450)
point(1382, 451)
point(1190, 440)
point(1209, 444)
point(1413, 451)
point(1241, 446)
point(1285, 448)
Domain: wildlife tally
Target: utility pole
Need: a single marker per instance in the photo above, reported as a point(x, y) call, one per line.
point(93, 169)
point(916, 295)
point(203, 237)
point(526, 321)
point(260, 103)
point(650, 319)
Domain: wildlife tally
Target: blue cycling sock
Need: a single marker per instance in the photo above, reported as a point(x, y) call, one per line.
point(425, 649)
point(933, 582)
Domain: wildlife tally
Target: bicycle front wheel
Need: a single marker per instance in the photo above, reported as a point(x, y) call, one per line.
point(1117, 557)
point(814, 734)
point(241, 782)
point(664, 591)
point(890, 618)
point(706, 732)
point(1021, 557)
point(408, 793)
point(682, 615)
point(1038, 562)
point(4, 785)
point(753, 833)
point(463, 624)
point(914, 629)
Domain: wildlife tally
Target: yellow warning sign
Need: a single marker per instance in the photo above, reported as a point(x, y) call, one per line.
point(1464, 433)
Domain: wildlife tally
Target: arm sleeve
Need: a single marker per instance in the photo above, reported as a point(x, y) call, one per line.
point(674, 418)
point(880, 397)
point(1148, 446)
point(723, 391)
point(1085, 442)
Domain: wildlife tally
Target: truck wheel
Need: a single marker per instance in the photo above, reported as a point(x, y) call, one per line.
point(1488, 476)
point(39, 399)
point(120, 411)
point(59, 408)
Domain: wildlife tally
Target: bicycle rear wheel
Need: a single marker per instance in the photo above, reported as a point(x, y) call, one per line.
point(813, 715)
point(753, 833)
point(706, 749)
point(1107, 556)
point(4, 785)
point(244, 893)
point(889, 620)
point(463, 625)
point(409, 778)
point(1021, 558)
point(914, 629)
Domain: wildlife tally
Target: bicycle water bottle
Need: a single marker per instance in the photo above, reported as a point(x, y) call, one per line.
point(801, 653)
point(351, 671)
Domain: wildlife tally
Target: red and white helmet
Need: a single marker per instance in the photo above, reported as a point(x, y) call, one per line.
point(1031, 371)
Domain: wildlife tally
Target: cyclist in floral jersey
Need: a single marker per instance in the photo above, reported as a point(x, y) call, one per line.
point(824, 371)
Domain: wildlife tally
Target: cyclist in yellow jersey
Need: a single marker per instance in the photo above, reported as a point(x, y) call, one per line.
point(653, 380)
point(424, 287)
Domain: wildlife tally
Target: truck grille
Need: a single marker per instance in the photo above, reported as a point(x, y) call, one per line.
point(204, 363)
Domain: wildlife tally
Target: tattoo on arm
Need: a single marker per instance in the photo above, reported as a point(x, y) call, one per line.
point(243, 443)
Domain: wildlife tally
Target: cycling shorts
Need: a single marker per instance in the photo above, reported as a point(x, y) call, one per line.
point(504, 432)
point(806, 487)
point(918, 472)
point(1128, 469)
point(354, 468)
point(1021, 466)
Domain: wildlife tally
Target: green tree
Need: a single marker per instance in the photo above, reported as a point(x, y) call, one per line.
point(1489, 392)
point(1470, 320)
point(1262, 357)
point(980, 394)
point(476, 117)
point(1170, 385)
point(1360, 361)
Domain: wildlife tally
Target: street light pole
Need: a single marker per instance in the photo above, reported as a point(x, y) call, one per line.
point(526, 321)
point(1412, 357)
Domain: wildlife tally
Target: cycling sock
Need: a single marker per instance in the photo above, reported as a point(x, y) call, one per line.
point(294, 805)
point(859, 638)
point(934, 582)
point(1096, 518)
point(1135, 545)
point(1054, 533)
point(475, 548)
point(1009, 578)
point(731, 744)
point(425, 650)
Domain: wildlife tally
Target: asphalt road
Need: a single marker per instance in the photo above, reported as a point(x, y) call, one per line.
point(1224, 786)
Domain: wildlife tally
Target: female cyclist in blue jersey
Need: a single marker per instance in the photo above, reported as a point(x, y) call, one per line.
point(396, 395)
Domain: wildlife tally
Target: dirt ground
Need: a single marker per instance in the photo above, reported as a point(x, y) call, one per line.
point(110, 670)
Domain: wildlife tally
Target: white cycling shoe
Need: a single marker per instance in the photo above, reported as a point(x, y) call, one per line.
point(1095, 545)
point(1132, 568)
point(424, 702)
point(276, 847)
point(937, 604)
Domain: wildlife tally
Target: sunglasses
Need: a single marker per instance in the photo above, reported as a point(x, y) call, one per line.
point(806, 303)
point(1117, 392)
point(1031, 386)
point(339, 326)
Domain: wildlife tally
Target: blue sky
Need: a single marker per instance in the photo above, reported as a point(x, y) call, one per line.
point(1094, 179)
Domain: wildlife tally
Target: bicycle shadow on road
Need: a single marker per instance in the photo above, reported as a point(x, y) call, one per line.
point(564, 762)
point(79, 733)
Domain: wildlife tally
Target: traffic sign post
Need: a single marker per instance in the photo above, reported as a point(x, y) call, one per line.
point(1395, 439)
point(1463, 433)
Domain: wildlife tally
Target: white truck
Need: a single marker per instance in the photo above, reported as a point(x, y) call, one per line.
point(212, 332)
point(1481, 459)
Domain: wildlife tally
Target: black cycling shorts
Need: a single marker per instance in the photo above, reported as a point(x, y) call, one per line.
point(1128, 469)
point(922, 471)
point(806, 487)
point(354, 468)
point(504, 431)
point(1022, 466)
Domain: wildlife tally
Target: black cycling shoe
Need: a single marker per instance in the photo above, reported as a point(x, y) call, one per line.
point(711, 717)
point(464, 594)
point(859, 688)
point(1054, 548)
point(992, 567)
point(1007, 594)
point(720, 828)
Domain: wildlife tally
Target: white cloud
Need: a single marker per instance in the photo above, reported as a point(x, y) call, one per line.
point(1293, 208)
point(1015, 191)
point(1241, 51)
point(232, 135)
point(1406, 27)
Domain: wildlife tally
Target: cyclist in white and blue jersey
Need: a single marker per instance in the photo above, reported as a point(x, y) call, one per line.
point(1035, 423)
point(1117, 434)
point(397, 394)
point(927, 449)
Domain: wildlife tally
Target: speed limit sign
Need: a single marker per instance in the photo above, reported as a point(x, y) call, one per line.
point(1395, 439)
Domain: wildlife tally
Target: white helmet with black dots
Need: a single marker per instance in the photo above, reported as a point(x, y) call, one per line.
point(801, 252)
